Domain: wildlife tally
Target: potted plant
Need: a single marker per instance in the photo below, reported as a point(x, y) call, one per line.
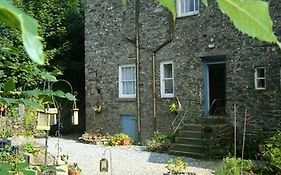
point(177, 166)
point(73, 169)
point(125, 139)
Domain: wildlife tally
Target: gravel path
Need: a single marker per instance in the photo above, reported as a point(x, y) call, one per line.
point(126, 160)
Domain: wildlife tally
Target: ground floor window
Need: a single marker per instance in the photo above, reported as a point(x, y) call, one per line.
point(260, 82)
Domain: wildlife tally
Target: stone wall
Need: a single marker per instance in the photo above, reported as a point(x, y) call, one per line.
point(108, 43)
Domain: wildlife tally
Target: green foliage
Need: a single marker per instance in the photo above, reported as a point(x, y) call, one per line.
point(235, 166)
point(5, 133)
point(22, 168)
point(124, 2)
point(170, 5)
point(31, 148)
point(251, 17)
point(176, 166)
point(160, 142)
point(118, 138)
point(205, 2)
point(273, 152)
point(245, 18)
point(16, 18)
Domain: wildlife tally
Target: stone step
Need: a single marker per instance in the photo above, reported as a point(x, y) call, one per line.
point(213, 120)
point(191, 134)
point(192, 127)
point(189, 140)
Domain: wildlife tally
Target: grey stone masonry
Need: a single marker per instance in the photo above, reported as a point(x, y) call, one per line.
point(109, 42)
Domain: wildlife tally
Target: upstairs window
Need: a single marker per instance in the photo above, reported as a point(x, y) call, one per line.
point(167, 79)
point(127, 81)
point(187, 7)
point(260, 78)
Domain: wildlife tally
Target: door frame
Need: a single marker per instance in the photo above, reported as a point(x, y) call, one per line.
point(206, 62)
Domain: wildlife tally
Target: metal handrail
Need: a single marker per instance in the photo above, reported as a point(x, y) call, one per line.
point(183, 116)
point(182, 119)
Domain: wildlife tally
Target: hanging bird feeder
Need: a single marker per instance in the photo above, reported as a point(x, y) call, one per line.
point(43, 120)
point(52, 114)
point(75, 116)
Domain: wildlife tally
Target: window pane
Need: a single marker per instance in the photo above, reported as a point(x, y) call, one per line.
point(168, 71)
point(168, 86)
point(129, 87)
point(260, 73)
point(196, 5)
point(127, 73)
point(191, 5)
point(261, 83)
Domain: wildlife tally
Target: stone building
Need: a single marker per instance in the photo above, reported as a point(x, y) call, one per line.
point(200, 58)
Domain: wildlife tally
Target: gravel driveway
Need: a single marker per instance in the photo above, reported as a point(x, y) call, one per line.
point(126, 160)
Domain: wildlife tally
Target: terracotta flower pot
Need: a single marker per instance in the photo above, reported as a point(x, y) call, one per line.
point(73, 173)
point(125, 142)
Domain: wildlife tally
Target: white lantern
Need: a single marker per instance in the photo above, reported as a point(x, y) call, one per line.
point(43, 120)
point(52, 112)
point(75, 117)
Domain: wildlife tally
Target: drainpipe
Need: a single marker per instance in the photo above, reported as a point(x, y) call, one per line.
point(137, 12)
point(154, 51)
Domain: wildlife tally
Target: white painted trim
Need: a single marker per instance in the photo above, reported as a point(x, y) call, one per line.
point(121, 95)
point(260, 78)
point(190, 13)
point(162, 85)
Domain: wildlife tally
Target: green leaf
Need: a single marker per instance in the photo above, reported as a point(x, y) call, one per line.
point(60, 93)
point(250, 17)
point(34, 93)
point(16, 18)
point(9, 100)
point(170, 5)
point(124, 2)
point(205, 2)
point(9, 85)
point(70, 97)
point(48, 76)
point(31, 104)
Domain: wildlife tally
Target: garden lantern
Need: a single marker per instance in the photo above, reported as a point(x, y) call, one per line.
point(52, 113)
point(75, 117)
point(43, 120)
point(103, 165)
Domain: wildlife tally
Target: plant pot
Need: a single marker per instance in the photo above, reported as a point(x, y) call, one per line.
point(73, 173)
point(125, 142)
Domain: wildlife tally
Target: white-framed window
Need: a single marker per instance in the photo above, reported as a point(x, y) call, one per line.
point(260, 78)
point(127, 81)
point(187, 7)
point(167, 79)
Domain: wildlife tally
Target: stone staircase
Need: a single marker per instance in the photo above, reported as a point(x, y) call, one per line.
point(207, 138)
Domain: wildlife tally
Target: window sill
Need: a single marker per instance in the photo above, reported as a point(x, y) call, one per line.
point(126, 99)
point(167, 96)
point(188, 14)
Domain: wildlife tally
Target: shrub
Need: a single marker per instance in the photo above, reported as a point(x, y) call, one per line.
point(160, 142)
point(235, 166)
point(272, 152)
point(176, 166)
point(117, 139)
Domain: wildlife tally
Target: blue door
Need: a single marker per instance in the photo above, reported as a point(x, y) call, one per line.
point(128, 125)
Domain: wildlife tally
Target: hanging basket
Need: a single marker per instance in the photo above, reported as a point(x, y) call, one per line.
point(43, 120)
point(75, 116)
